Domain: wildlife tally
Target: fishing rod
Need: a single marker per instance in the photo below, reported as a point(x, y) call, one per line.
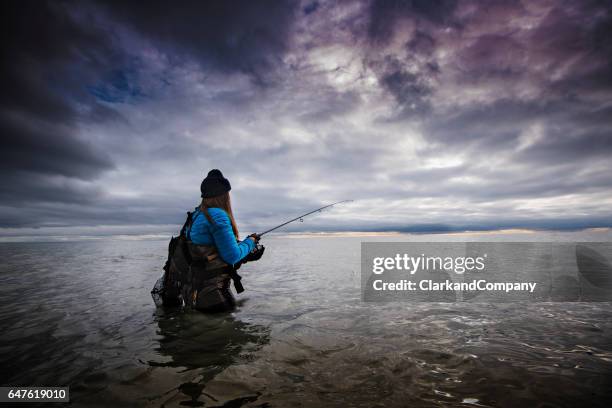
point(302, 216)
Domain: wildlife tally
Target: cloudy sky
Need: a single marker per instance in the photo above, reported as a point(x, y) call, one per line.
point(431, 115)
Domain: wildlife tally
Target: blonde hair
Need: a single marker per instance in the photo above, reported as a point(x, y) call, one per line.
point(224, 202)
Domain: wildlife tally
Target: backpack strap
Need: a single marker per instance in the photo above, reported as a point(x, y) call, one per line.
point(187, 225)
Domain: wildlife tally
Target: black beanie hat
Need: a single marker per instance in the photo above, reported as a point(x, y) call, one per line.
point(214, 184)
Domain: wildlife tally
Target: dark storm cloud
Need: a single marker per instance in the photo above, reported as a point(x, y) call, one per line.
point(30, 145)
point(570, 39)
point(567, 52)
point(238, 35)
point(483, 58)
point(64, 68)
point(38, 39)
point(409, 89)
point(310, 7)
point(432, 114)
point(385, 14)
point(421, 43)
point(47, 59)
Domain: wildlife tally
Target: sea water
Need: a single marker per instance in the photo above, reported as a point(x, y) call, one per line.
point(79, 313)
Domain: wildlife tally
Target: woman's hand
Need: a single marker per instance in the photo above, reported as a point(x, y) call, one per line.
point(254, 255)
point(254, 237)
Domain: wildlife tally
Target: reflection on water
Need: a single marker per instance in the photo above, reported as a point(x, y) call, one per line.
point(80, 314)
point(207, 344)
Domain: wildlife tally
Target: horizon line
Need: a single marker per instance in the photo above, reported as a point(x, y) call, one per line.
point(290, 234)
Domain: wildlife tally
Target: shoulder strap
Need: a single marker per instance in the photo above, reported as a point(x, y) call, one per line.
point(186, 225)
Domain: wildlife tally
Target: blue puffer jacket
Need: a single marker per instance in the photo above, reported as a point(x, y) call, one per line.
point(220, 235)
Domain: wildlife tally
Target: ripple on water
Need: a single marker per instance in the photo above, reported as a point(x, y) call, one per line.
point(81, 315)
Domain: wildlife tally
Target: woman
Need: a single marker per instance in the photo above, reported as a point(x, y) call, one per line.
point(215, 249)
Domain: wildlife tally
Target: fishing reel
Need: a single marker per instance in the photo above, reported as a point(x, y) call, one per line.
point(256, 253)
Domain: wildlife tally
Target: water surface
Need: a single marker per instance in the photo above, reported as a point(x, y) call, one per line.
point(80, 314)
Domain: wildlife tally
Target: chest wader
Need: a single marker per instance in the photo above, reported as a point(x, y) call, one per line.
point(195, 276)
point(207, 285)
